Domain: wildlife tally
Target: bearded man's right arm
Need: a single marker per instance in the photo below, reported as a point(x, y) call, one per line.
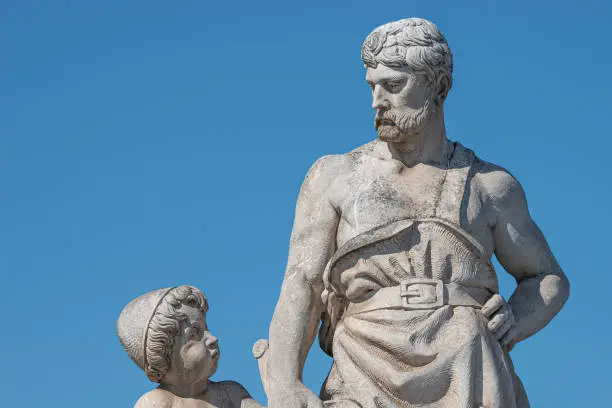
point(298, 311)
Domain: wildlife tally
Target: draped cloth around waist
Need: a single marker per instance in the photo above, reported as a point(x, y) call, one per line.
point(443, 357)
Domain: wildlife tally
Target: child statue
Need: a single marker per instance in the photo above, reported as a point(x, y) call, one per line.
point(165, 334)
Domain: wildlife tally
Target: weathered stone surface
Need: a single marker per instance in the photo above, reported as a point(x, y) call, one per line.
point(165, 333)
point(392, 245)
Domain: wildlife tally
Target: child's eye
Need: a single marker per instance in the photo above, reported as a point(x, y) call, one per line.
point(194, 333)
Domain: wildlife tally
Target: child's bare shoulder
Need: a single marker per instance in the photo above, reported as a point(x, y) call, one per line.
point(156, 398)
point(236, 394)
point(233, 388)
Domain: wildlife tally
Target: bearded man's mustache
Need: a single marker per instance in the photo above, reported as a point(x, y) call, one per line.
point(404, 121)
point(387, 118)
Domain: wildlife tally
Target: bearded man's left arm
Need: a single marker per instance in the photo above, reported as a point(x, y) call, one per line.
point(520, 247)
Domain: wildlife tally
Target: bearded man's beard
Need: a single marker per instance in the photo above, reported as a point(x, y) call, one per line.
point(394, 126)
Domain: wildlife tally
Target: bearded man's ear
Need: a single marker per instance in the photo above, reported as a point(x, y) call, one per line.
point(443, 88)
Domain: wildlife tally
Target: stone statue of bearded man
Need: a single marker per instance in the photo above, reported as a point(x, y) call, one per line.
point(392, 246)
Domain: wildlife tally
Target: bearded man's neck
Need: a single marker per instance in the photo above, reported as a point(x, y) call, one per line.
point(427, 146)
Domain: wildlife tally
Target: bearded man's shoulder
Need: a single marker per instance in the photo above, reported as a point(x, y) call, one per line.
point(495, 184)
point(367, 149)
point(336, 167)
point(326, 169)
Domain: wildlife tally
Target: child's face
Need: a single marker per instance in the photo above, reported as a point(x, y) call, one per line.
point(196, 350)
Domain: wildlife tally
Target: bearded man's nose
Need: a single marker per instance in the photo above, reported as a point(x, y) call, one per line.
point(379, 100)
point(380, 112)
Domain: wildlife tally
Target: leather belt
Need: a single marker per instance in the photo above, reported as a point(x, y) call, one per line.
point(422, 293)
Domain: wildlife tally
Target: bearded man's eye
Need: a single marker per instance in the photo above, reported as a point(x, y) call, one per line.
point(395, 86)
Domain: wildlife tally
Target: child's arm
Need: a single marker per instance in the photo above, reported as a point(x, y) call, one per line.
point(239, 396)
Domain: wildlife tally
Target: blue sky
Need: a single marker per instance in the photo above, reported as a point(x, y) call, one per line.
point(149, 144)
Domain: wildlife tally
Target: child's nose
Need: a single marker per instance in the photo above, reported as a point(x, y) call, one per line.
point(211, 340)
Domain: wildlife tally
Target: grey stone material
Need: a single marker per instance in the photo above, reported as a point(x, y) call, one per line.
point(165, 333)
point(390, 256)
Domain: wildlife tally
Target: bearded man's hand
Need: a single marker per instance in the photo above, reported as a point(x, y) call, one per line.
point(501, 320)
point(296, 395)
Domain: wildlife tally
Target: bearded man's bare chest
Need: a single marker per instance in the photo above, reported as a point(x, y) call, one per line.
point(381, 191)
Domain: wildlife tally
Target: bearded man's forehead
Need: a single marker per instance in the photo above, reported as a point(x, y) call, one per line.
point(384, 72)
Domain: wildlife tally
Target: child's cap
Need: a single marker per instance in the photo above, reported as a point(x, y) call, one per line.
point(133, 324)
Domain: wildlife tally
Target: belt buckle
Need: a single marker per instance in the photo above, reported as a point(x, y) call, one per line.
point(422, 293)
